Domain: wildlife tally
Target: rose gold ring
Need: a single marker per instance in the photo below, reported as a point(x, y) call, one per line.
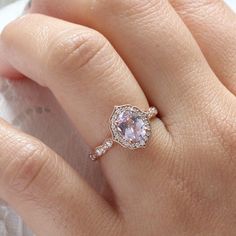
point(130, 127)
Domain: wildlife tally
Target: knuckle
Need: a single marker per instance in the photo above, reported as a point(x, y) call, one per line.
point(72, 50)
point(23, 170)
point(223, 127)
point(126, 8)
point(227, 134)
point(189, 6)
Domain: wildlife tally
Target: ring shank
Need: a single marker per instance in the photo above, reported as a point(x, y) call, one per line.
point(102, 149)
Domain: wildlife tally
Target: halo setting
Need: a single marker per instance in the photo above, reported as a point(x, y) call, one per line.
point(130, 126)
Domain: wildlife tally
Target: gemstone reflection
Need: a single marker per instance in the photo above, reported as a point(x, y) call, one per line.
point(131, 126)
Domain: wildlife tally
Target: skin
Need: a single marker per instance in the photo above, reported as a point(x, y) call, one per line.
point(177, 55)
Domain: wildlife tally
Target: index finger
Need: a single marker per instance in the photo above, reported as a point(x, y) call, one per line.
point(46, 191)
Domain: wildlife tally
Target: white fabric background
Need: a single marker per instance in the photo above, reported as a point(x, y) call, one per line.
point(34, 110)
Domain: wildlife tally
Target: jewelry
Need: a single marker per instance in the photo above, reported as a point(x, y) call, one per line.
point(130, 127)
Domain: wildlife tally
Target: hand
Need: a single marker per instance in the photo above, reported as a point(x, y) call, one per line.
point(184, 182)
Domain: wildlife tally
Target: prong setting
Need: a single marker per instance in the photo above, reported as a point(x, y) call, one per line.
point(130, 127)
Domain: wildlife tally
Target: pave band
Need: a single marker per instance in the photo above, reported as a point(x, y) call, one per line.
point(130, 127)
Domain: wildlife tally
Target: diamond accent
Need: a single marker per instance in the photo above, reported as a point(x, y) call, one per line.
point(102, 149)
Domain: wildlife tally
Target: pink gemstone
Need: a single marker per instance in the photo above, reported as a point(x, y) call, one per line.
point(131, 126)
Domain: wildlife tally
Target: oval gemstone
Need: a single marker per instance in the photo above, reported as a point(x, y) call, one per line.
point(131, 126)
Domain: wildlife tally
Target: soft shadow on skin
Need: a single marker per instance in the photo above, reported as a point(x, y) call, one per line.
point(34, 110)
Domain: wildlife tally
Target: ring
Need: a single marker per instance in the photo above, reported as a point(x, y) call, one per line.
point(130, 127)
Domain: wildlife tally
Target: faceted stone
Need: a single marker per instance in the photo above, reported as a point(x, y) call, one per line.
point(109, 143)
point(131, 126)
point(99, 152)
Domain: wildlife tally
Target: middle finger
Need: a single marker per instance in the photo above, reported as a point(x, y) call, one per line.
point(156, 45)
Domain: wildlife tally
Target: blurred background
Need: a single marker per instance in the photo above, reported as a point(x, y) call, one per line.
point(4, 2)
